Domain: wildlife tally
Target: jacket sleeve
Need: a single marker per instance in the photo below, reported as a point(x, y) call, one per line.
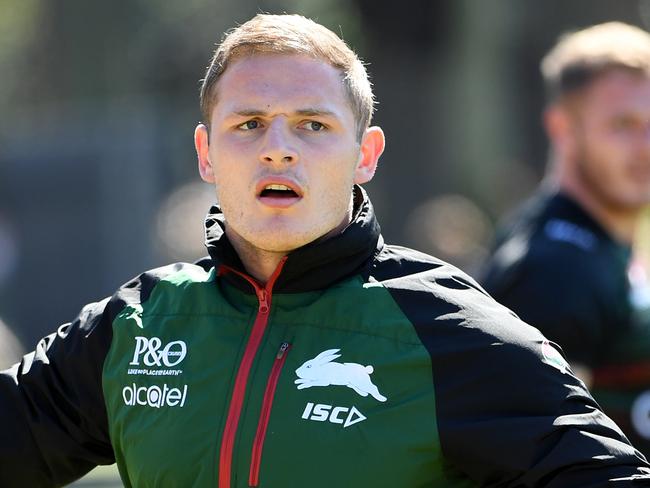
point(528, 420)
point(515, 415)
point(53, 423)
point(509, 411)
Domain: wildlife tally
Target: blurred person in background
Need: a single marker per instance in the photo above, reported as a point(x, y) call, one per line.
point(223, 372)
point(564, 262)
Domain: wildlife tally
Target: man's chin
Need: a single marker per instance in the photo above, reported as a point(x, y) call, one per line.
point(631, 203)
point(283, 247)
point(281, 242)
point(636, 197)
point(279, 238)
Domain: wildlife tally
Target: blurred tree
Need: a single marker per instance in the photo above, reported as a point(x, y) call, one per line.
point(19, 24)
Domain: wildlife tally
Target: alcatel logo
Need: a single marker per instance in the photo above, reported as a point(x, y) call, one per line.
point(154, 396)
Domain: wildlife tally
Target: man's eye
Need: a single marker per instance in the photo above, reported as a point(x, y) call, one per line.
point(313, 126)
point(249, 125)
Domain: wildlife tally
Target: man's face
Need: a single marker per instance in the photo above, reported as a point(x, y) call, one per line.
point(611, 131)
point(282, 151)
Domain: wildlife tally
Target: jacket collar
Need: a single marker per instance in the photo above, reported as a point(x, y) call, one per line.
point(563, 205)
point(314, 266)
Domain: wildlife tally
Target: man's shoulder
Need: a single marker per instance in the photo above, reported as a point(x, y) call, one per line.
point(551, 226)
point(444, 303)
point(409, 272)
point(171, 277)
point(556, 241)
point(557, 245)
point(394, 263)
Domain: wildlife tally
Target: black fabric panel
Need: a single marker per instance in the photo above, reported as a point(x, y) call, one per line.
point(573, 287)
point(505, 415)
point(59, 427)
point(53, 420)
point(566, 294)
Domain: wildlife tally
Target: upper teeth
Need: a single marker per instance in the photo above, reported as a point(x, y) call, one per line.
point(277, 187)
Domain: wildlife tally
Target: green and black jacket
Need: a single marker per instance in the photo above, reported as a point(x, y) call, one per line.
point(561, 272)
point(359, 364)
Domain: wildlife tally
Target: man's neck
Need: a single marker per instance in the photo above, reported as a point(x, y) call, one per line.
point(620, 223)
point(260, 264)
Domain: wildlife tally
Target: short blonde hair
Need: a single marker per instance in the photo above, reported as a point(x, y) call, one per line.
point(580, 57)
point(291, 34)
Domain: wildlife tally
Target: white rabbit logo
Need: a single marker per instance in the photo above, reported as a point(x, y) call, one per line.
point(321, 371)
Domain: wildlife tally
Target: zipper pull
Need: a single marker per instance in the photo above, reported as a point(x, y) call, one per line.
point(283, 349)
point(264, 302)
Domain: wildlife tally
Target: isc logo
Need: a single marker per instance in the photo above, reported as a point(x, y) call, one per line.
point(336, 415)
point(157, 355)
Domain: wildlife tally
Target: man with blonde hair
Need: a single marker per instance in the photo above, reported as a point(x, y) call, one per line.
point(564, 263)
point(304, 351)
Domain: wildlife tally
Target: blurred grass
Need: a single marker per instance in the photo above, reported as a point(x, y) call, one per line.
point(100, 477)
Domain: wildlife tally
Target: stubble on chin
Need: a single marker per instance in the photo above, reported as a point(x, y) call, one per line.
point(608, 193)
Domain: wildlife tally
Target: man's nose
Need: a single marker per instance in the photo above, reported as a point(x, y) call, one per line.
point(278, 147)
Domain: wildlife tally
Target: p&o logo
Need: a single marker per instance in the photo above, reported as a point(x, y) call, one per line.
point(150, 352)
point(156, 355)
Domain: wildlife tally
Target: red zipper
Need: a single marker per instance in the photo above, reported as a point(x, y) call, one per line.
point(234, 410)
point(269, 393)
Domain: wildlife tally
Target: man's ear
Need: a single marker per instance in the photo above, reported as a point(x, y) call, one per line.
point(372, 145)
point(559, 125)
point(201, 142)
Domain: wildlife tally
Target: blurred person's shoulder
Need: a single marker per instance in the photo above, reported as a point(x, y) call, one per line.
point(552, 239)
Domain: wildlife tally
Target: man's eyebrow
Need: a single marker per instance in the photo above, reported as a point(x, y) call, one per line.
point(249, 112)
point(314, 112)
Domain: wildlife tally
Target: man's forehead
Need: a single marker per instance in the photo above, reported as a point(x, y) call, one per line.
point(614, 93)
point(619, 86)
point(273, 67)
point(246, 60)
point(264, 82)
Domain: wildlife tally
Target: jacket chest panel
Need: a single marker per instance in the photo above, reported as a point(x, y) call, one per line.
point(166, 386)
point(338, 393)
point(344, 397)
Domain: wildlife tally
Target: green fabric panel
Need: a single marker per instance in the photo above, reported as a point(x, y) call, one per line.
point(174, 445)
point(178, 445)
point(396, 445)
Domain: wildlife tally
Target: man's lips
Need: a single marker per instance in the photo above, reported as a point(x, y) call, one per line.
point(278, 192)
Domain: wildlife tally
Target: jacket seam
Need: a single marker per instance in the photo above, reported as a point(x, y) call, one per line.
point(355, 331)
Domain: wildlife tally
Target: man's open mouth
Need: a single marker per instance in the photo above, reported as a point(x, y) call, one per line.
point(278, 191)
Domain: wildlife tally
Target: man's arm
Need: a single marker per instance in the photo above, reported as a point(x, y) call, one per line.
point(53, 424)
point(509, 411)
point(516, 416)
